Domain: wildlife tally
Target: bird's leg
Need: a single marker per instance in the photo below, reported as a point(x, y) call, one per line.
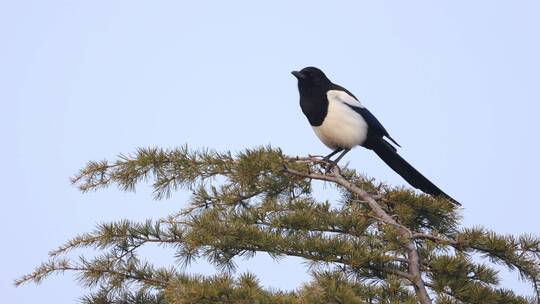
point(333, 163)
point(327, 157)
point(345, 151)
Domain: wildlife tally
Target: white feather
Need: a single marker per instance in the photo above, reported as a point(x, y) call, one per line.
point(343, 97)
point(342, 127)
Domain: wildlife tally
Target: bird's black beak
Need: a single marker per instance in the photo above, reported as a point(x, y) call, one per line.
point(298, 75)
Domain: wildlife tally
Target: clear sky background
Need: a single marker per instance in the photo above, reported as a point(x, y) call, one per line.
point(456, 83)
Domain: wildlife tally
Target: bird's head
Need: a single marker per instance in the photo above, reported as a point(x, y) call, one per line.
point(311, 78)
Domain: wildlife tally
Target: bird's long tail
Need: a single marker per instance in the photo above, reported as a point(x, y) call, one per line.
point(389, 155)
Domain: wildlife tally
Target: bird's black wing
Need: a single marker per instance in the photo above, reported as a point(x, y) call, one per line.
point(375, 128)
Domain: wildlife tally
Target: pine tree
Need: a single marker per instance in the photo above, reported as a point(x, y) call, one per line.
point(374, 244)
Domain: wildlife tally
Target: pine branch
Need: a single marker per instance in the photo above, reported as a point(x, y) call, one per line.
point(414, 275)
point(103, 268)
point(386, 244)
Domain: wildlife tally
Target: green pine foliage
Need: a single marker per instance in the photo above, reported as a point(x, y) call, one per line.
point(373, 244)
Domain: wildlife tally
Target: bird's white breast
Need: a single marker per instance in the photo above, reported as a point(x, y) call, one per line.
point(342, 127)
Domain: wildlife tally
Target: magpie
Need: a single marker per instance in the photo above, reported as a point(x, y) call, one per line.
point(341, 122)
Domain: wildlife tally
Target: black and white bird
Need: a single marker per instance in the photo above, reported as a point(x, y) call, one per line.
point(341, 122)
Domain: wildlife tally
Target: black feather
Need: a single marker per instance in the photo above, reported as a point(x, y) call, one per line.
point(389, 155)
point(375, 128)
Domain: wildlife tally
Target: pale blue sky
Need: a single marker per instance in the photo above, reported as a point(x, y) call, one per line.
point(456, 83)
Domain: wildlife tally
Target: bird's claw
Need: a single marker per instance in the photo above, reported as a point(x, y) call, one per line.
point(329, 166)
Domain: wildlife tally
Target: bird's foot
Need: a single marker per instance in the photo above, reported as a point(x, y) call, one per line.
point(329, 166)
